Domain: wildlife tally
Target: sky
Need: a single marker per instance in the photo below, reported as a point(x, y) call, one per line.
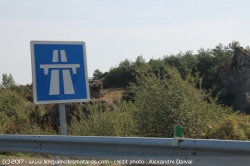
point(115, 30)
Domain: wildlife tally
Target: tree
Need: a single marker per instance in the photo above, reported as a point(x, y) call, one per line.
point(165, 101)
point(233, 45)
point(122, 75)
point(157, 65)
point(140, 61)
point(97, 74)
point(7, 80)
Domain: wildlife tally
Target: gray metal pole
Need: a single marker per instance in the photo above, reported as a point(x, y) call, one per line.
point(62, 115)
point(63, 126)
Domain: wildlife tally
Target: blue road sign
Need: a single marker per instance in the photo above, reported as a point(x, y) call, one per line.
point(59, 72)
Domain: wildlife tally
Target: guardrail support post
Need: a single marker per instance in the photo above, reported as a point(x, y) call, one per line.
point(177, 135)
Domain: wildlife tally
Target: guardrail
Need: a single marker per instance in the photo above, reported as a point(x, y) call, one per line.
point(196, 151)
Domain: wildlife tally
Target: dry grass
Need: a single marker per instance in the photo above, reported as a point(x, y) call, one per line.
point(113, 95)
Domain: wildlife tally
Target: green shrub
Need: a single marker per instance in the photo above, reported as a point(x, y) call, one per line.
point(164, 101)
point(17, 116)
point(35, 129)
point(13, 115)
point(116, 121)
point(235, 127)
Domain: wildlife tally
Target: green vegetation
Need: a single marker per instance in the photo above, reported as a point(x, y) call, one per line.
point(7, 81)
point(114, 121)
point(122, 75)
point(159, 94)
point(97, 74)
point(234, 127)
point(17, 116)
point(206, 62)
point(164, 101)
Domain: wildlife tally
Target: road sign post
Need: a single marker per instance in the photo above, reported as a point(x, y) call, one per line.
point(59, 75)
point(62, 115)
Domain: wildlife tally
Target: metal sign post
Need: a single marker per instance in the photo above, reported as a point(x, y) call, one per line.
point(63, 126)
point(62, 115)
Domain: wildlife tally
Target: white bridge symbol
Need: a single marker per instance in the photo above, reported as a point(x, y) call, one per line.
point(54, 79)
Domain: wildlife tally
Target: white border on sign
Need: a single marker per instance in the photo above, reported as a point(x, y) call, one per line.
point(34, 72)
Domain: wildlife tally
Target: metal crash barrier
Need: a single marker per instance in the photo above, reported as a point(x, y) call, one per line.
point(175, 151)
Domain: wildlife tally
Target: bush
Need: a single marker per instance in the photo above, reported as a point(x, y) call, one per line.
point(99, 122)
point(164, 101)
point(17, 116)
point(35, 129)
point(13, 115)
point(235, 127)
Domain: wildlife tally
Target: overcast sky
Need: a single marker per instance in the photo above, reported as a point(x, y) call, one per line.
point(115, 30)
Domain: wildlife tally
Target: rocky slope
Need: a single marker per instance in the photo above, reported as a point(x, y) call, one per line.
point(235, 80)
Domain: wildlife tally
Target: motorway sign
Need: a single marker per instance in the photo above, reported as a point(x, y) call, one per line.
point(59, 72)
